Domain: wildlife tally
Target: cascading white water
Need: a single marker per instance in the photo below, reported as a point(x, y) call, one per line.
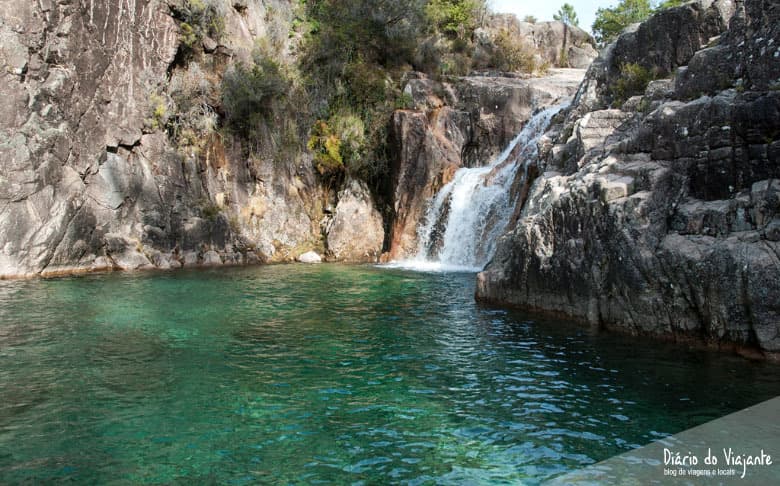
point(466, 217)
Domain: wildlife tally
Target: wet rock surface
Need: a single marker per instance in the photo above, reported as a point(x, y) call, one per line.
point(463, 123)
point(658, 215)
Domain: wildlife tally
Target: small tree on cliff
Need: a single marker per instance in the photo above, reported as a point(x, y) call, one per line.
point(568, 16)
point(610, 22)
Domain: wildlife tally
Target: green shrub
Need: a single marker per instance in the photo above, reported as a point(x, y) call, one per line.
point(633, 80)
point(198, 19)
point(158, 112)
point(353, 55)
point(209, 211)
point(252, 94)
point(428, 55)
point(404, 102)
point(455, 18)
point(455, 64)
point(365, 85)
point(325, 145)
point(511, 54)
point(352, 133)
point(610, 22)
point(193, 115)
point(338, 145)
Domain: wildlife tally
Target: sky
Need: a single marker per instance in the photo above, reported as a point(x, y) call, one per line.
point(545, 9)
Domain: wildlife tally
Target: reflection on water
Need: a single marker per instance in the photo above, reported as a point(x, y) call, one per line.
point(328, 374)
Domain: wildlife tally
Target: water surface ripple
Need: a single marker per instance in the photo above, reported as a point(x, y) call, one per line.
point(328, 375)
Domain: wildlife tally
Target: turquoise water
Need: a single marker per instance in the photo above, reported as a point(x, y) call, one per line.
point(328, 375)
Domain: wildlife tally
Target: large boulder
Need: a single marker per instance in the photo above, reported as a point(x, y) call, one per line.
point(356, 232)
point(310, 257)
point(554, 43)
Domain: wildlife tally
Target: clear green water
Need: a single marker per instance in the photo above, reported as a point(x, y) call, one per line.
point(327, 374)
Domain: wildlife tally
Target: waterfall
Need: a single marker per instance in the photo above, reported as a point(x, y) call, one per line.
point(466, 217)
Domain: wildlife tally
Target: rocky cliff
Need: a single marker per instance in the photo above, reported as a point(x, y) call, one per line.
point(658, 211)
point(113, 157)
point(91, 182)
point(109, 154)
point(461, 123)
point(554, 43)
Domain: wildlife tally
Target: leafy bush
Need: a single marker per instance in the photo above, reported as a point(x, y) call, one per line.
point(353, 55)
point(251, 95)
point(338, 145)
point(404, 102)
point(325, 145)
point(633, 80)
point(193, 114)
point(209, 211)
point(455, 64)
point(512, 54)
point(610, 22)
point(383, 32)
point(198, 19)
point(158, 112)
point(455, 18)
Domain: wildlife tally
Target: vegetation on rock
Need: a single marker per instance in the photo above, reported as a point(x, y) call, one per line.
point(345, 78)
point(198, 19)
point(567, 15)
point(456, 18)
point(251, 94)
point(632, 81)
point(355, 53)
point(511, 54)
point(610, 22)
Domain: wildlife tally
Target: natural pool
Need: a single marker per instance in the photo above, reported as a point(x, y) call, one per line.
point(328, 374)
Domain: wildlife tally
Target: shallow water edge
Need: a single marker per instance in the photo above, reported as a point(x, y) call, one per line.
point(692, 340)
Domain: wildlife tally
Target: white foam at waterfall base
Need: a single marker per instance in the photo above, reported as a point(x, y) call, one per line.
point(475, 207)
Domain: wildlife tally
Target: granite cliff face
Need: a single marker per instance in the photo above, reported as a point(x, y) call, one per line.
point(90, 182)
point(659, 205)
point(101, 170)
